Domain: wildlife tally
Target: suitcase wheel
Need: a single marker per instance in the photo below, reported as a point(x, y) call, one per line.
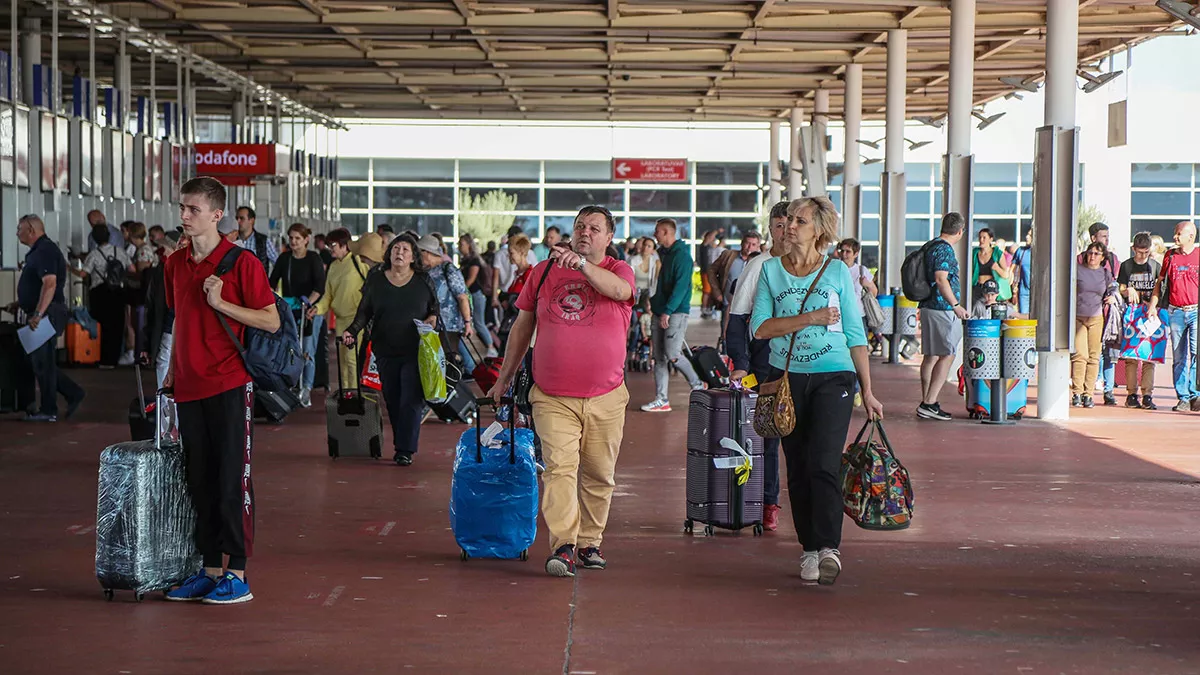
point(139, 596)
point(709, 531)
point(758, 530)
point(108, 594)
point(524, 555)
point(688, 526)
point(463, 555)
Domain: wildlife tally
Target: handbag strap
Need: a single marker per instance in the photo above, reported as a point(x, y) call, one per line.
point(804, 303)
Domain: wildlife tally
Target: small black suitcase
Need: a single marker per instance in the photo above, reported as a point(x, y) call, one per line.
point(321, 376)
point(353, 420)
point(12, 369)
point(709, 365)
point(459, 405)
point(274, 406)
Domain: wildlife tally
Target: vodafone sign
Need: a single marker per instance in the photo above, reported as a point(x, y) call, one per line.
point(650, 170)
point(237, 159)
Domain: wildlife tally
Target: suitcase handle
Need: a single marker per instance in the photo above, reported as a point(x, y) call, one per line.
point(512, 427)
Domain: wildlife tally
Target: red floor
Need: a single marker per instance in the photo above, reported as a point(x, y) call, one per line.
point(1038, 548)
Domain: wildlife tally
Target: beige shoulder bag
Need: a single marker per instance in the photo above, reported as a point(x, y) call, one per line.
point(775, 413)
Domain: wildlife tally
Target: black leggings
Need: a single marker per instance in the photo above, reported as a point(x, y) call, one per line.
point(107, 307)
point(216, 433)
point(405, 400)
point(824, 403)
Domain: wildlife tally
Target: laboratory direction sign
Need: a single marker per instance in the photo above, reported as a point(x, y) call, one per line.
point(650, 170)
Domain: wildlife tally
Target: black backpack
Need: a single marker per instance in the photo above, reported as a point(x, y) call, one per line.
point(914, 275)
point(115, 274)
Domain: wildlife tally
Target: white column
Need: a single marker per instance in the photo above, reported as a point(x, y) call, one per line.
point(31, 55)
point(152, 122)
point(852, 172)
point(892, 219)
point(959, 183)
point(1062, 45)
point(795, 179)
point(816, 154)
point(774, 179)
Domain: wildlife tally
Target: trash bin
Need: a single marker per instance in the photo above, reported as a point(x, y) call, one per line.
point(888, 304)
point(906, 319)
point(981, 350)
point(1019, 361)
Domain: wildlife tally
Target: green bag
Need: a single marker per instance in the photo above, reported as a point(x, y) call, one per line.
point(431, 361)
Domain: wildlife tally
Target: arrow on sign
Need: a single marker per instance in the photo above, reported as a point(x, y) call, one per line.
point(623, 169)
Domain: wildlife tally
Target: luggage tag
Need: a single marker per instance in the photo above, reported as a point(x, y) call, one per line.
point(490, 437)
point(740, 464)
point(749, 381)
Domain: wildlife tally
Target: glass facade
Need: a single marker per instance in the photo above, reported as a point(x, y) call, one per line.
point(1162, 195)
point(424, 195)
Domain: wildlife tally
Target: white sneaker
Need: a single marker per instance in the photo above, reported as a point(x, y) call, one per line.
point(126, 359)
point(830, 566)
point(492, 353)
point(809, 566)
point(306, 397)
point(657, 405)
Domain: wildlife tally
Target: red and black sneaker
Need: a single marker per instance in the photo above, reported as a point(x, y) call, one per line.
point(592, 559)
point(562, 563)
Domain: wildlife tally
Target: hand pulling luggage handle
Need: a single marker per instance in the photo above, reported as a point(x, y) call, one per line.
point(512, 427)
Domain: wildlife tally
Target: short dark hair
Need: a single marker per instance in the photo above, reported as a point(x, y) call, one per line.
point(100, 234)
point(779, 210)
point(554, 229)
point(156, 228)
point(751, 234)
point(300, 229)
point(318, 237)
point(987, 231)
point(669, 222)
point(953, 223)
point(852, 243)
point(596, 208)
point(515, 230)
point(1097, 228)
point(1142, 240)
point(209, 188)
point(384, 227)
point(417, 266)
point(1100, 247)
point(340, 236)
point(249, 212)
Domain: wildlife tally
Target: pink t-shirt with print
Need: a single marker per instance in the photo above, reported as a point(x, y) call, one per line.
point(580, 350)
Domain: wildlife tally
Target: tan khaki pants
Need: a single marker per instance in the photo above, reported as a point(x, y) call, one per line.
point(1085, 362)
point(581, 438)
point(349, 354)
point(1131, 377)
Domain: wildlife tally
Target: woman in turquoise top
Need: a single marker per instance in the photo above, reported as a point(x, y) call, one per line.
point(830, 349)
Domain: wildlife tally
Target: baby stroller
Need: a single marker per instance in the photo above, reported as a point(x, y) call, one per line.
point(638, 344)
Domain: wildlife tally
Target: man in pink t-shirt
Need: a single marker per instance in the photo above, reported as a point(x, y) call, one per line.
point(580, 301)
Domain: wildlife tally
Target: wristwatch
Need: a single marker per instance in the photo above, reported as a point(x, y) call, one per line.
point(582, 262)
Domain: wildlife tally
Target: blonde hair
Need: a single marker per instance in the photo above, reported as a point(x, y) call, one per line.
point(825, 219)
point(520, 244)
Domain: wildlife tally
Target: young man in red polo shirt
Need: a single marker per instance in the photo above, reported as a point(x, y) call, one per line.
point(213, 390)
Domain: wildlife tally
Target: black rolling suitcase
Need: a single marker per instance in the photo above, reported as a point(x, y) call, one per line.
point(708, 364)
point(355, 425)
point(460, 405)
point(321, 376)
point(716, 496)
point(12, 367)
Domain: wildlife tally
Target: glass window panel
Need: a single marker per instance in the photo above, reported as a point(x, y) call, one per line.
point(921, 174)
point(918, 229)
point(1002, 228)
point(527, 198)
point(1161, 204)
point(871, 173)
point(1026, 226)
point(387, 197)
point(414, 169)
point(1161, 175)
point(355, 222)
point(577, 198)
point(507, 171)
point(870, 201)
point(1027, 202)
point(919, 202)
point(1163, 227)
point(727, 173)
point(744, 201)
point(660, 200)
point(869, 257)
point(731, 228)
point(1027, 175)
point(563, 223)
point(578, 172)
point(870, 229)
point(1197, 209)
point(837, 173)
point(995, 202)
point(996, 175)
point(644, 227)
point(354, 196)
point(531, 226)
point(421, 223)
point(353, 168)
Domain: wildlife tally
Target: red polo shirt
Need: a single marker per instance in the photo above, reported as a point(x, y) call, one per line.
point(206, 362)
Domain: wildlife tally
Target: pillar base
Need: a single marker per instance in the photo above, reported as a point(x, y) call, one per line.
point(1054, 385)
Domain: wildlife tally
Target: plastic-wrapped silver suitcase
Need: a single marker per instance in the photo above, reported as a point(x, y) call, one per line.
point(145, 522)
point(355, 425)
point(716, 496)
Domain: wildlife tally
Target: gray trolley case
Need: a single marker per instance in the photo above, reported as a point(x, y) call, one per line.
point(714, 497)
point(354, 421)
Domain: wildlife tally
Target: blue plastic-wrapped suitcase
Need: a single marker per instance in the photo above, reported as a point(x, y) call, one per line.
point(494, 494)
point(145, 522)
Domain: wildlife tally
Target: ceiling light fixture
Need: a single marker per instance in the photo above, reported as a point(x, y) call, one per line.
point(1182, 11)
point(1027, 84)
point(871, 160)
point(874, 145)
point(986, 121)
point(931, 121)
point(914, 145)
point(1094, 82)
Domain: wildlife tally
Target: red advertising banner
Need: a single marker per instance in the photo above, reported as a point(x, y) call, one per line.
point(650, 170)
point(237, 159)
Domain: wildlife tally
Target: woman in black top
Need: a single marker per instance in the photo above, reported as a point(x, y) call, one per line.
point(303, 275)
point(392, 302)
point(476, 277)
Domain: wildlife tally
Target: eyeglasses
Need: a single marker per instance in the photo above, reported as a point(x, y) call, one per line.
point(1094, 253)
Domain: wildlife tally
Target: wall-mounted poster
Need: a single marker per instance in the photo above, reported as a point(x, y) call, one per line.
point(85, 157)
point(158, 170)
point(22, 149)
point(117, 149)
point(6, 145)
point(147, 157)
point(46, 148)
point(98, 161)
point(62, 153)
point(176, 168)
point(127, 174)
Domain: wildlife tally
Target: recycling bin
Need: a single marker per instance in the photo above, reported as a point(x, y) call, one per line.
point(1019, 360)
point(888, 304)
point(981, 350)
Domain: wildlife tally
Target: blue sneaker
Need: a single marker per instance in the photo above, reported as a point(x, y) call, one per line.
point(230, 590)
point(193, 589)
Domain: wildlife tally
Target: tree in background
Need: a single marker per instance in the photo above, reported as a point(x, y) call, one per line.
point(1084, 218)
point(483, 217)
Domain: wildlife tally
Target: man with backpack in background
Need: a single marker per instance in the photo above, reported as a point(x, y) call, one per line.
point(214, 390)
point(254, 241)
point(941, 312)
point(107, 269)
